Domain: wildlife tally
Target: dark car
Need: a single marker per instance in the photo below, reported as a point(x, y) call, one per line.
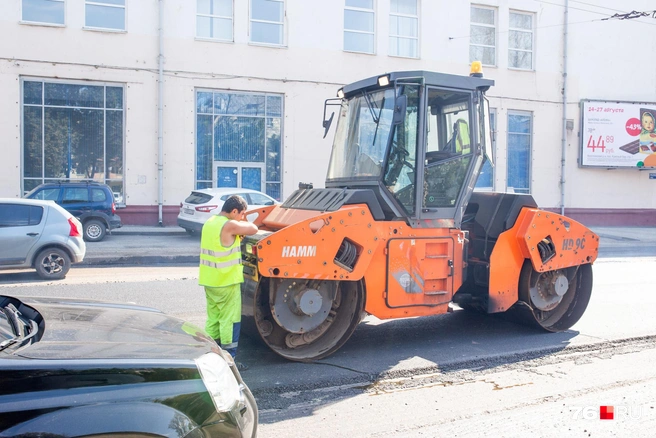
point(92, 203)
point(89, 368)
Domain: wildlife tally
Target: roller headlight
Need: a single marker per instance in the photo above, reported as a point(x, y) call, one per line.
point(219, 381)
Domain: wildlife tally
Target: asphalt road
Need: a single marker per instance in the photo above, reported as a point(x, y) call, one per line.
point(151, 246)
point(456, 347)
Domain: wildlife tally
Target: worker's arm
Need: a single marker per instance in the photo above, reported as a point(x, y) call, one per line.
point(240, 228)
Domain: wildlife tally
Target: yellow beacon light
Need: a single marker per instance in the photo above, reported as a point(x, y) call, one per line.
point(476, 70)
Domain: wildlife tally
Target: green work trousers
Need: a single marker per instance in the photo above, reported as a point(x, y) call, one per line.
point(224, 315)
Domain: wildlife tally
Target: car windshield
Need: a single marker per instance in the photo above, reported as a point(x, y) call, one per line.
point(362, 135)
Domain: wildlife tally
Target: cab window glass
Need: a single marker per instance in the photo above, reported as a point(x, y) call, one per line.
point(448, 133)
point(449, 149)
point(98, 195)
point(75, 194)
point(400, 173)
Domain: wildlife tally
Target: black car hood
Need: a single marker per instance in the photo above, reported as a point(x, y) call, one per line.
point(83, 329)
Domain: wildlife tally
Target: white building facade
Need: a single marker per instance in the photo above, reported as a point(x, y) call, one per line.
point(156, 98)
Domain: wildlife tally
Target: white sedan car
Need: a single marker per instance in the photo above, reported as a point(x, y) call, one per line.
point(205, 203)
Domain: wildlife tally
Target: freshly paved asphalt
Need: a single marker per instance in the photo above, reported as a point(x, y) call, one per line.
point(141, 245)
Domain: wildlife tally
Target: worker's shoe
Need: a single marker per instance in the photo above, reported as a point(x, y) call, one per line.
point(240, 366)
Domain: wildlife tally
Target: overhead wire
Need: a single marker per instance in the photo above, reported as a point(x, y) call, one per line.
point(572, 23)
point(595, 12)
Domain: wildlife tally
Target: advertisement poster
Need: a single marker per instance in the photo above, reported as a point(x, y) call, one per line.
point(618, 134)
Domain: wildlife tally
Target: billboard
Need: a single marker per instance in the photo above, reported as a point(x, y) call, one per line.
point(618, 134)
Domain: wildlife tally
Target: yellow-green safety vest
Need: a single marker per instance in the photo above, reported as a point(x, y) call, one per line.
point(463, 143)
point(219, 266)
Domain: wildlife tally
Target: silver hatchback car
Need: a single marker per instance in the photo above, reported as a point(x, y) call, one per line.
point(41, 235)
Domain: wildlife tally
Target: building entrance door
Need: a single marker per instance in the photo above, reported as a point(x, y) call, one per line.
point(244, 175)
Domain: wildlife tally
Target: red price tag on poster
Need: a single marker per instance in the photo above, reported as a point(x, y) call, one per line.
point(633, 127)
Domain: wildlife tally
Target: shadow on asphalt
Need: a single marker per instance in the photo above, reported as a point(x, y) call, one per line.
point(23, 276)
point(399, 348)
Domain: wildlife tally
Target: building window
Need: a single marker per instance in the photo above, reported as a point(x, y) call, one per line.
point(486, 178)
point(72, 132)
point(482, 30)
point(43, 11)
point(404, 28)
point(520, 41)
point(105, 14)
point(267, 21)
point(359, 19)
point(519, 151)
point(214, 19)
point(238, 141)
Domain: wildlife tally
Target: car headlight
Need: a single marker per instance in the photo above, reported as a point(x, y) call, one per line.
point(219, 381)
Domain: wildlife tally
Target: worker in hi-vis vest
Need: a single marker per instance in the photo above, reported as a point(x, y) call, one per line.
point(221, 272)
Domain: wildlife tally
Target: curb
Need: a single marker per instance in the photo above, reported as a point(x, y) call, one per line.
point(147, 233)
point(141, 261)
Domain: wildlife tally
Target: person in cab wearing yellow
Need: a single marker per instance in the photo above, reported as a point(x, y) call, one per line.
point(221, 272)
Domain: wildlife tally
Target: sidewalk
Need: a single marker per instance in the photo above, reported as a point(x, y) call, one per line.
point(134, 245)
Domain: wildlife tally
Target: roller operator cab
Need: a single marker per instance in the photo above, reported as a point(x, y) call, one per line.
point(399, 231)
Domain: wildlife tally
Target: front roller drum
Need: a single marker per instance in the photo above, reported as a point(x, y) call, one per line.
point(553, 300)
point(306, 320)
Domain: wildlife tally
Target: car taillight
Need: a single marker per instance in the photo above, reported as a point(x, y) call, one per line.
point(75, 227)
point(113, 208)
point(206, 208)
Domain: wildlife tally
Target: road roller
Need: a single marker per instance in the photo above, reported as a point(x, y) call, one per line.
point(398, 230)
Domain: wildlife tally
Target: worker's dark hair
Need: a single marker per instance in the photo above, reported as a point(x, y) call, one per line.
point(234, 201)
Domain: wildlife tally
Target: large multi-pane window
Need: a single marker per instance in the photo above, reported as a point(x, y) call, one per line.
point(404, 28)
point(267, 21)
point(72, 132)
point(105, 14)
point(214, 19)
point(520, 128)
point(43, 11)
point(482, 31)
point(485, 180)
point(359, 29)
point(238, 141)
point(520, 40)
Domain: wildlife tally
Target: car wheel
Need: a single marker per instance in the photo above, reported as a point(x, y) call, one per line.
point(52, 264)
point(190, 231)
point(94, 230)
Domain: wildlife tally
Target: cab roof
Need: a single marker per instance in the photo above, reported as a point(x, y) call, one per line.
point(428, 77)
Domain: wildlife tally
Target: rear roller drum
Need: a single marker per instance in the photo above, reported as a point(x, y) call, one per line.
point(305, 320)
point(553, 300)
